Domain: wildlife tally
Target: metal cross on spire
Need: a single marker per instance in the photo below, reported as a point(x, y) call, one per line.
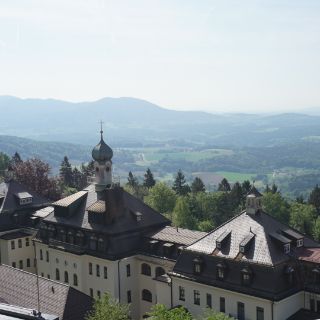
point(101, 130)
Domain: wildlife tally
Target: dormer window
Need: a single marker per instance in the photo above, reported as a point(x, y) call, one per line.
point(286, 248)
point(316, 275)
point(137, 215)
point(246, 276)
point(221, 271)
point(79, 238)
point(70, 237)
point(197, 265)
point(299, 243)
point(24, 198)
point(93, 242)
point(101, 244)
point(51, 230)
point(62, 235)
point(289, 273)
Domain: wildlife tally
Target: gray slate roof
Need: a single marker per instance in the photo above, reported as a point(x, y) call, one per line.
point(125, 223)
point(264, 249)
point(10, 203)
point(177, 235)
point(20, 288)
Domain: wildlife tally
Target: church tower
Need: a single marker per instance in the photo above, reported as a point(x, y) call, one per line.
point(102, 155)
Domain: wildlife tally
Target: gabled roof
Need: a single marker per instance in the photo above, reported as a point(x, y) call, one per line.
point(20, 288)
point(265, 249)
point(254, 191)
point(10, 203)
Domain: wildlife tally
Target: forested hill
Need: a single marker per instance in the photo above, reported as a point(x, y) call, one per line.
point(134, 122)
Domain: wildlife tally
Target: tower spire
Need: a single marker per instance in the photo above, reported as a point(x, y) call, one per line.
point(101, 129)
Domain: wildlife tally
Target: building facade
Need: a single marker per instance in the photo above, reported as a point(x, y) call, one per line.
point(102, 239)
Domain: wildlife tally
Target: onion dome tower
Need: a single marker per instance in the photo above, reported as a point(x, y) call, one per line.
point(102, 155)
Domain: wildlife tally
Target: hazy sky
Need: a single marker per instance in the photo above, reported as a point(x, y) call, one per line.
point(185, 54)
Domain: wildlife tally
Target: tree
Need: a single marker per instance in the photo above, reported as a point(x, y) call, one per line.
point(246, 187)
point(180, 186)
point(314, 198)
point(181, 216)
point(160, 312)
point(211, 314)
point(161, 198)
point(274, 188)
point(66, 172)
point(197, 185)
point(4, 162)
point(316, 230)
point(34, 173)
point(16, 159)
point(132, 180)
point(205, 225)
point(149, 181)
point(303, 217)
point(108, 308)
point(277, 206)
point(224, 185)
point(236, 195)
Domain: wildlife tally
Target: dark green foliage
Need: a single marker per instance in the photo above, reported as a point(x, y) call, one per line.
point(180, 186)
point(224, 185)
point(182, 215)
point(277, 206)
point(314, 198)
point(66, 173)
point(197, 185)
point(107, 308)
point(160, 312)
point(246, 187)
point(132, 180)
point(149, 181)
point(303, 217)
point(4, 162)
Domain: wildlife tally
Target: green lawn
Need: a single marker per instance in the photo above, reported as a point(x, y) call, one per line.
point(236, 176)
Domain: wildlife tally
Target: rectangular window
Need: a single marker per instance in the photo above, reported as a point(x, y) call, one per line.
point(20, 243)
point(105, 272)
point(300, 243)
point(47, 256)
point(209, 300)
point(128, 270)
point(312, 305)
point(241, 315)
point(14, 264)
point(48, 276)
point(13, 245)
point(99, 294)
point(91, 292)
point(41, 254)
point(196, 297)
point(90, 268)
point(182, 293)
point(42, 274)
point(260, 313)
point(28, 263)
point(27, 242)
point(222, 304)
point(129, 296)
point(20, 264)
point(97, 270)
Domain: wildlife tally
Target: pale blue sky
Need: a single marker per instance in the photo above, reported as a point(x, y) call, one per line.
point(185, 54)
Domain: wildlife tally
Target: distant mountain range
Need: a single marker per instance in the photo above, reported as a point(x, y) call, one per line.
point(133, 122)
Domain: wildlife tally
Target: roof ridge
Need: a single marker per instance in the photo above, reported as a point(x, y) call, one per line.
point(220, 226)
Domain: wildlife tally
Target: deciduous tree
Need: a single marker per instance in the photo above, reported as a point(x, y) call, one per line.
point(181, 216)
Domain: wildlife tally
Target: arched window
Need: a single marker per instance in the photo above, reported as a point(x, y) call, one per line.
point(289, 273)
point(160, 271)
point(75, 280)
point(100, 244)
point(197, 265)
point(79, 238)
point(146, 295)
point(51, 231)
point(62, 235)
point(57, 274)
point(146, 269)
point(246, 276)
point(316, 275)
point(70, 237)
point(93, 242)
point(66, 277)
point(221, 271)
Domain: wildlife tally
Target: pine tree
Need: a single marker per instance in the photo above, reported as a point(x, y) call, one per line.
point(16, 159)
point(132, 180)
point(314, 198)
point(246, 187)
point(197, 185)
point(149, 181)
point(274, 188)
point(66, 172)
point(180, 186)
point(224, 185)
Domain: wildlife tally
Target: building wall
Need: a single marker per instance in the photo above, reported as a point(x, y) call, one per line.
point(286, 307)
point(231, 300)
point(14, 257)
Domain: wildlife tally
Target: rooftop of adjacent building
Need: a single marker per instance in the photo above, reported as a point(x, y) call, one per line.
point(22, 289)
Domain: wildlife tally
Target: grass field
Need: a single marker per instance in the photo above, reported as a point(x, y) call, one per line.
point(236, 176)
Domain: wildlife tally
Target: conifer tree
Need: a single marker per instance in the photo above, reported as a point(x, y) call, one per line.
point(132, 180)
point(16, 159)
point(197, 185)
point(149, 181)
point(314, 198)
point(180, 186)
point(66, 172)
point(224, 185)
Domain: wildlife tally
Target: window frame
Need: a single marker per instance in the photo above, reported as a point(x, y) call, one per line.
point(146, 269)
point(146, 295)
point(260, 313)
point(182, 293)
point(196, 297)
point(209, 300)
point(128, 269)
